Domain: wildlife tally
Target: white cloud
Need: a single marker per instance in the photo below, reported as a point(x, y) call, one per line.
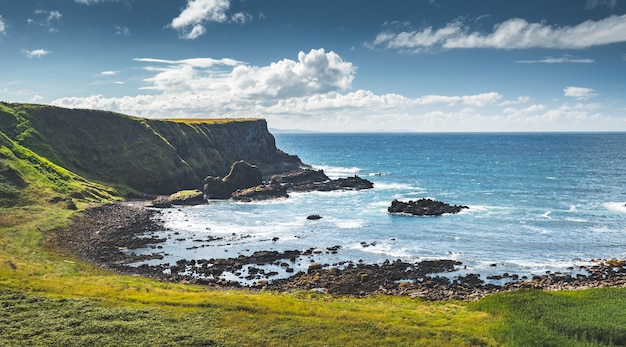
point(190, 22)
point(109, 73)
point(514, 33)
point(314, 92)
point(519, 100)
point(52, 18)
point(579, 93)
point(3, 27)
point(478, 100)
point(417, 40)
point(37, 53)
point(93, 2)
point(122, 30)
point(197, 31)
point(563, 59)
point(314, 72)
point(592, 4)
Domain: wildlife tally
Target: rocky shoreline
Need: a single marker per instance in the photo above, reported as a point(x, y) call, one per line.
point(106, 235)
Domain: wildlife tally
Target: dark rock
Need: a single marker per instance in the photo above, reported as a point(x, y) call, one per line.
point(70, 205)
point(350, 183)
point(302, 180)
point(314, 267)
point(314, 217)
point(424, 207)
point(300, 176)
point(241, 176)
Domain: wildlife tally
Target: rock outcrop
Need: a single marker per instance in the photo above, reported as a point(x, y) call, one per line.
point(301, 180)
point(185, 197)
point(424, 207)
point(241, 176)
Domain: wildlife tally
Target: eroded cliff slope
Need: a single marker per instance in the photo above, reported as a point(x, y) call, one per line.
point(140, 155)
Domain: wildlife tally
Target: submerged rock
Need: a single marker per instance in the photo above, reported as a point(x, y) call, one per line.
point(424, 207)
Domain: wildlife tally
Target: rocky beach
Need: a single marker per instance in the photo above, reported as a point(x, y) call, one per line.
point(106, 236)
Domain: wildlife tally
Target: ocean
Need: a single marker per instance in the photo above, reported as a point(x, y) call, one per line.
point(538, 202)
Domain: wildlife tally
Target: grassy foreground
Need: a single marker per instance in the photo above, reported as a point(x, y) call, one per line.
point(48, 299)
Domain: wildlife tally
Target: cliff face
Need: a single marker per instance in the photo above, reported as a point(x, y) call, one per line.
point(148, 156)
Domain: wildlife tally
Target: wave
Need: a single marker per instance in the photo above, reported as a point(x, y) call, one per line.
point(335, 172)
point(387, 250)
point(350, 224)
point(398, 186)
point(616, 206)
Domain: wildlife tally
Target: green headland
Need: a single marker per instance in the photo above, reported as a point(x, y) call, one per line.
point(55, 163)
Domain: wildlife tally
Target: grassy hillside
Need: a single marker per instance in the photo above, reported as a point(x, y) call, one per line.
point(27, 178)
point(139, 155)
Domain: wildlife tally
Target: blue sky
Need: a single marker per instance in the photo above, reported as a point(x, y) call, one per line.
point(432, 65)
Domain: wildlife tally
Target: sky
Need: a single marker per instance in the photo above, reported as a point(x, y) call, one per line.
point(326, 65)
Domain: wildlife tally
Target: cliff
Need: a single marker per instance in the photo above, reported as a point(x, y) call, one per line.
point(134, 155)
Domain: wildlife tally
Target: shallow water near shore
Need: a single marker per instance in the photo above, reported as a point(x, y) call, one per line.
point(538, 203)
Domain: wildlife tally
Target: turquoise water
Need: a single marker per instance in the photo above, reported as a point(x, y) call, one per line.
point(538, 202)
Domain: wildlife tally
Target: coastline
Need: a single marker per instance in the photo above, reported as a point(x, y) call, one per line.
point(106, 235)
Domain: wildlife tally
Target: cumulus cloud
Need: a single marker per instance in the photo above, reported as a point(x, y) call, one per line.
point(314, 92)
point(192, 20)
point(314, 72)
point(37, 53)
point(514, 33)
point(579, 93)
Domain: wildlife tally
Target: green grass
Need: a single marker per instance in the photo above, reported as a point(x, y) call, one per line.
point(33, 320)
point(566, 318)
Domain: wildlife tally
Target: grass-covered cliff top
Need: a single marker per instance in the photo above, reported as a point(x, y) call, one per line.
point(135, 155)
point(208, 120)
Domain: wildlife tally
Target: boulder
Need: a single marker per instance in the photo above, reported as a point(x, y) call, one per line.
point(184, 197)
point(241, 176)
point(300, 176)
point(424, 207)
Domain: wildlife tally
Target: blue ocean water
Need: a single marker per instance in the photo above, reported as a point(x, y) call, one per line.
point(538, 202)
